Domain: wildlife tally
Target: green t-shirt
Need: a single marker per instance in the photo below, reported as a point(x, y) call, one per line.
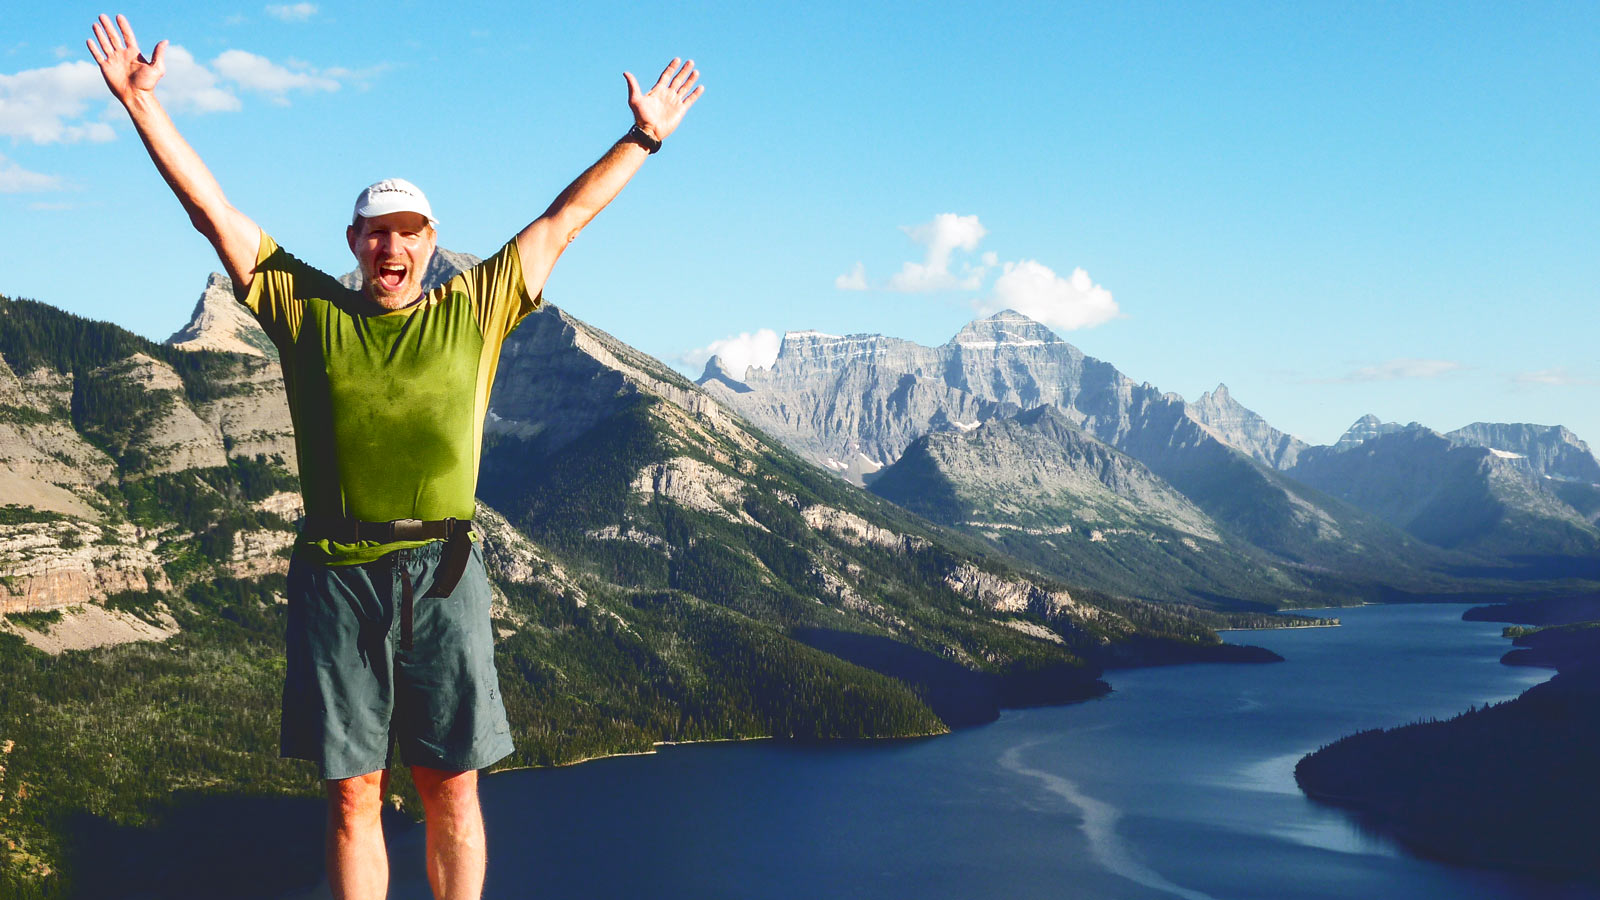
point(388, 406)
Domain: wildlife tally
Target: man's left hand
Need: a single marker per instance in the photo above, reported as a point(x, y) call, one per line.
point(659, 111)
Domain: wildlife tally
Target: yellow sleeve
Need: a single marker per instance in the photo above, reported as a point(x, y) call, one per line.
point(278, 290)
point(499, 295)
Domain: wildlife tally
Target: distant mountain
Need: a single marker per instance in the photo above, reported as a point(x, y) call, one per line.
point(1244, 430)
point(1458, 491)
point(1043, 490)
point(1550, 450)
point(832, 398)
point(1368, 427)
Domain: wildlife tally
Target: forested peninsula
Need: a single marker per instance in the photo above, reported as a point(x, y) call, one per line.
point(1512, 785)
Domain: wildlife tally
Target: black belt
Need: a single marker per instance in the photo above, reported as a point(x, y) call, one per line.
point(454, 532)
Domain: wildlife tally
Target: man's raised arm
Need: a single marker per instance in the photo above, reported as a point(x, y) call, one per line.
point(132, 79)
point(656, 115)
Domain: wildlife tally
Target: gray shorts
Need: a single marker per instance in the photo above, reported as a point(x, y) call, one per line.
point(351, 691)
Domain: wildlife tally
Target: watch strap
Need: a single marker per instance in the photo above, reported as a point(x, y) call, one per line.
point(644, 140)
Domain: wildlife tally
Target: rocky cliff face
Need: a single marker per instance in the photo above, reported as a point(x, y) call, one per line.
point(1242, 429)
point(170, 436)
point(114, 462)
point(1550, 450)
point(51, 564)
point(45, 463)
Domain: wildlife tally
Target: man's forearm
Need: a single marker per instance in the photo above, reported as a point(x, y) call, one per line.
point(542, 242)
point(233, 235)
point(599, 184)
point(656, 114)
point(196, 188)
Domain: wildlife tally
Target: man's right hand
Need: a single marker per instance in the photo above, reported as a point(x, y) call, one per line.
point(125, 69)
point(132, 80)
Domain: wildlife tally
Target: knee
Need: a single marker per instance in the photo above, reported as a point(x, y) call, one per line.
point(358, 801)
point(446, 793)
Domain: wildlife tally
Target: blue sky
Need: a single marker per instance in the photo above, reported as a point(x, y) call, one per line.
point(1335, 209)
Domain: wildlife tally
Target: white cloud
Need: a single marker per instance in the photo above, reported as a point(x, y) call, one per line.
point(1404, 367)
point(46, 106)
point(947, 233)
point(292, 12)
point(1556, 377)
point(16, 180)
point(739, 352)
point(853, 280)
point(68, 102)
point(188, 86)
point(1027, 286)
point(1036, 291)
point(257, 73)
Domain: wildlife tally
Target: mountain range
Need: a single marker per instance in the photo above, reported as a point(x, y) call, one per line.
point(1014, 435)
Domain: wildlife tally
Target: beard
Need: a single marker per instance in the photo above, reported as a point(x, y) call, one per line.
point(407, 292)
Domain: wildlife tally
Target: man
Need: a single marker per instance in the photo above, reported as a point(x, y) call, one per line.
point(389, 637)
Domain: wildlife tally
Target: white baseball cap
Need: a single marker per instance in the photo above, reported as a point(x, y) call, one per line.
point(393, 195)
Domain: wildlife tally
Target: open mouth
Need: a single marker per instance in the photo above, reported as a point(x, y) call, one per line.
point(391, 276)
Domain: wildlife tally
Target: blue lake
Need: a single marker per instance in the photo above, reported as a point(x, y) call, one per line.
point(1178, 784)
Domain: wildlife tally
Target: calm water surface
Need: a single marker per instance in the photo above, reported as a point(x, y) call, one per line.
point(1179, 784)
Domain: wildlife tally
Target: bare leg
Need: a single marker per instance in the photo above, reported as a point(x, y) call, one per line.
point(457, 851)
point(358, 866)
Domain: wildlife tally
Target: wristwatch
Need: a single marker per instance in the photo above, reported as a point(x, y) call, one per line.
point(646, 141)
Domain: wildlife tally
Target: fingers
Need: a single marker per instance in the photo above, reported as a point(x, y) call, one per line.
point(683, 78)
point(102, 39)
point(683, 89)
point(127, 33)
point(110, 38)
point(666, 72)
point(94, 51)
point(693, 96)
point(157, 54)
point(633, 87)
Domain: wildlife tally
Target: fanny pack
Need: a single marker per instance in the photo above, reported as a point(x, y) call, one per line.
point(456, 533)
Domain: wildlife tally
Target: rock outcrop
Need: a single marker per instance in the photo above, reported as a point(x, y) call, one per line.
point(220, 322)
point(54, 564)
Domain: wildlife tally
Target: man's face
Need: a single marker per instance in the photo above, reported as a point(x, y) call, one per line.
point(393, 252)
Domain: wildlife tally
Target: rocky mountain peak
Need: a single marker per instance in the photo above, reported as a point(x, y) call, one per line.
point(1368, 427)
point(220, 322)
point(717, 370)
point(1242, 429)
point(1007, 328)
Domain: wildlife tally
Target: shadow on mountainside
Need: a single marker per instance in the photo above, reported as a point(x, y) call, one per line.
point(956, 694)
